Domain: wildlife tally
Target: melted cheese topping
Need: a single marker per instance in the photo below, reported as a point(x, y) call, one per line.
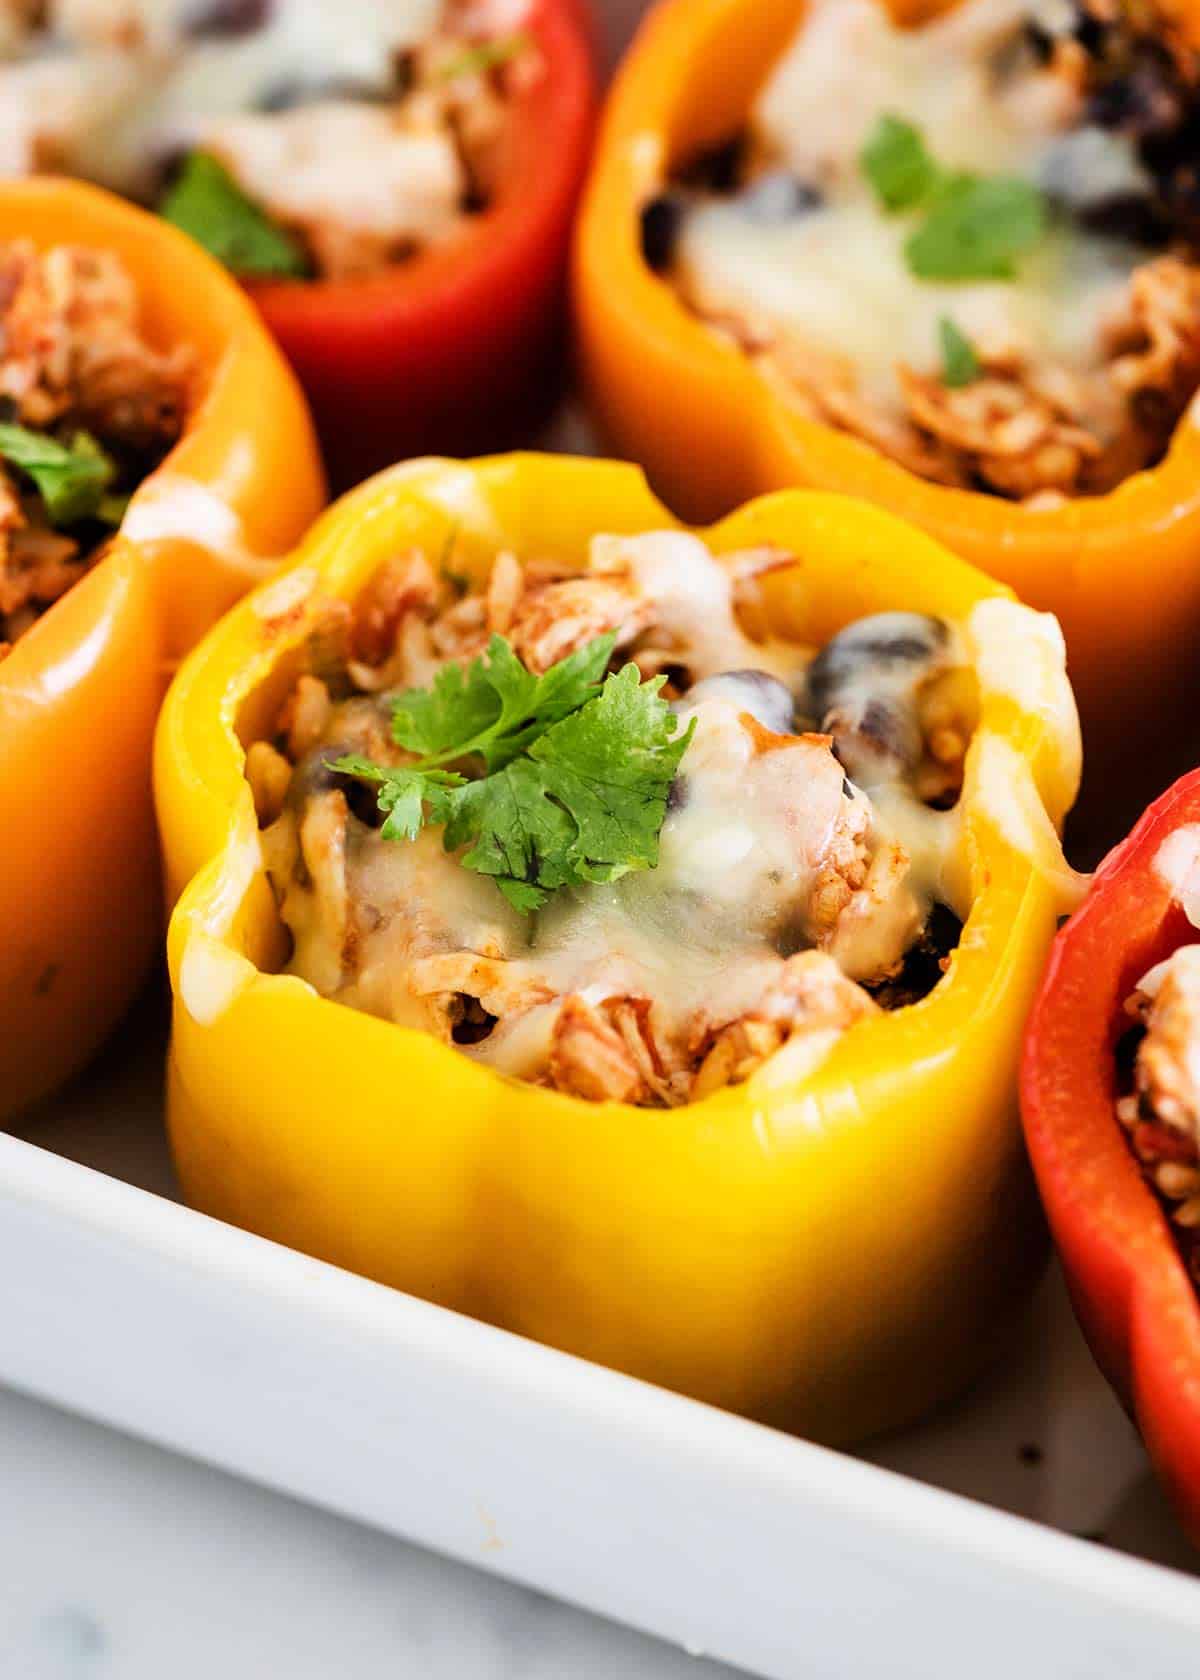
point(766, 850)
point(348, 163)
point(835, 275)
point(692, 597)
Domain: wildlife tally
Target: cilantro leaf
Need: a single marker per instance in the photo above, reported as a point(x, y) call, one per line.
point(463, 706)
point(897, 164)
point(70, 478)
point(403, 793)
point(960, 361)
point(577, 773)
point(207, 202)
point(512, 830)
point(586, 802)
point(495, 708)
point(488, 55)
point(976, 229)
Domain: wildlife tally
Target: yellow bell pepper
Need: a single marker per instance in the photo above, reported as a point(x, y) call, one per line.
point(80, 899)
point(832, 1255)
point(1121, 571)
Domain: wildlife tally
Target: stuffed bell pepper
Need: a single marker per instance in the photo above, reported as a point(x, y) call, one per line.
point(623, 932)
point(1111, 1099)
point(943, 257)
point(155, 452)
point(394, 179)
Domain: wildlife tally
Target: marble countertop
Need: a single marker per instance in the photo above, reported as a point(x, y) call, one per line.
point(119, 1561)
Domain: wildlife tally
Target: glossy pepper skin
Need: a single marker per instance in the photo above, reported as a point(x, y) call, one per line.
point(1130, 1287)
point(831, 1255)
point(1121, 572)
point(80, 899)
point(458, 347)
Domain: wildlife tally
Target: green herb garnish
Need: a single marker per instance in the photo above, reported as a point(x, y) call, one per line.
point(897, 164)
point(960, 361)
point(488, 55)
point(975, 230)
point(71, 478)
point(207, 202)
point(577, 769)
point(974, 227)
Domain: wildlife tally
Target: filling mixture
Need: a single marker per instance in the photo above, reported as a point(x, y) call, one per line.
point(1159, 1064)
point(973, 245)
point(291, 137)
point(87, 409)
point(605, 833)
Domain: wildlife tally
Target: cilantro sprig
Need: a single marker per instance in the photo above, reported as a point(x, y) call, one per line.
point(72, 478)
point(973, 228)
point(207, 202)
point(576, 769)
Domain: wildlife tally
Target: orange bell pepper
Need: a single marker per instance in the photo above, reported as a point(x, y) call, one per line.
point(833, 1252)
point(1121, 571)
point(80, 902)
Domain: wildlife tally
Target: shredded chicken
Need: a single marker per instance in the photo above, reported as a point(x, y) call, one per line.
point(811, 996)
point(73, 358)
point(1162, 1114)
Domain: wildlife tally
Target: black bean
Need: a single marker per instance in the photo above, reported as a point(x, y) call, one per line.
point(1079, 25)
point(885, 639)
point(878, 724)
point(287, 94)
point(677, 796)
point(662, 220)
point(220, 19)
point(1090, 31)
point(1146, 101)
point(779, 197)
point(1125, 1055)
point(363, 800)
point(314, 775)
point(404, 71)
point(717, 170)
point(474, 1023)
point(1039, 41)
point(1135, 217)
point(922, 967)
point(757, 692)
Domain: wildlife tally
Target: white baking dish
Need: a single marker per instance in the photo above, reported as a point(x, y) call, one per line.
point(712, 1532)
point(709, 1531)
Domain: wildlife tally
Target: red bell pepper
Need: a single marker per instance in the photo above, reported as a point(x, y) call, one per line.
point(457, 350)
point(1131, 1289)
